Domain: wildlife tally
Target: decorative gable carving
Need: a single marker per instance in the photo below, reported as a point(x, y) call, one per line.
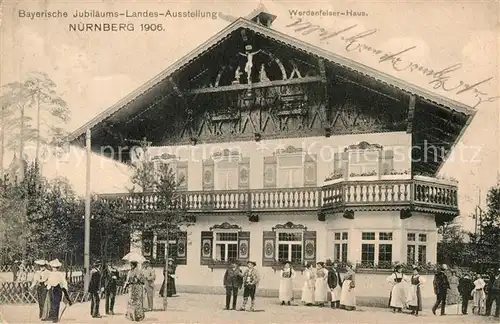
point(225, 226)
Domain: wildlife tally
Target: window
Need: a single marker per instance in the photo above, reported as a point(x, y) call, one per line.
point(227, 179)
point(161, 247)
point(226, 246)
point(364, 162)
point(416, 251)
point(385, 236)
point(368, 236)
point(368, 253)
point(340, 246)
point(290, 246)
point(385, 253)
point(290, 171)
point(378, 250)
point(410, 254)
point(422, 254)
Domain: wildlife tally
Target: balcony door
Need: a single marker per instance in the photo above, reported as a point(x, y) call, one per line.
point(227, 179)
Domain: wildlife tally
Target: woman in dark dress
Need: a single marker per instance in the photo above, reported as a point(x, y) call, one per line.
point(169, 276)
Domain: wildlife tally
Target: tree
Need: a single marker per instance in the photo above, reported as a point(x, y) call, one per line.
point(452, 249)
point(43, 95)
point(487, 248)
point(170, 214)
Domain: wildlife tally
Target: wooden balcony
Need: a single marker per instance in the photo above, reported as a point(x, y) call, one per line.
point(410, 194)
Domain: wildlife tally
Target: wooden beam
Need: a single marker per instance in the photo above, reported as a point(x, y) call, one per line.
point(322, 69)
point(276, 83)
point(151, 106)
point(411, 112)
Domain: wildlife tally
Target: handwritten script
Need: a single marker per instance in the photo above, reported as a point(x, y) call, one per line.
point(439, 79)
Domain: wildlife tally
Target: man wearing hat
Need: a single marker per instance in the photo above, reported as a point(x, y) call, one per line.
point(250, 282)
point(39, 282)
point(149, 284)
point(95, 285)
point(441, 287)
point(111, 277)
point(465, 287)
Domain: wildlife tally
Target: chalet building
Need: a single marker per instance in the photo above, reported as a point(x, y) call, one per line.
point(289, 152)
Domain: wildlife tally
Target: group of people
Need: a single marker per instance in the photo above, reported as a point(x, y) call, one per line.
point(51, 288)
point(406, 291)
point(322, 284)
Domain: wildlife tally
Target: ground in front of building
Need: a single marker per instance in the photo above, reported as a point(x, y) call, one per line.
point(197, 308)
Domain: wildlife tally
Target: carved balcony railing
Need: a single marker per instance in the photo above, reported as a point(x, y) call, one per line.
point(403, 193)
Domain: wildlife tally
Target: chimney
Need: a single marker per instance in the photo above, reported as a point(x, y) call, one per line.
point(261, 16)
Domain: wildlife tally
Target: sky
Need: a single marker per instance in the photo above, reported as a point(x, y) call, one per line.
point(93, 70)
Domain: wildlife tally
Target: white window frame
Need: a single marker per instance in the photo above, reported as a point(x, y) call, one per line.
point(417, 243)
point(290, 243)
point(290, 169)
point(377, 242)
point(164, 242)
point(340, 243)
point(365, 166)
point(226, 243)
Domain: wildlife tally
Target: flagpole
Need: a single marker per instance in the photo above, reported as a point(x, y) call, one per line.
point(86, 260)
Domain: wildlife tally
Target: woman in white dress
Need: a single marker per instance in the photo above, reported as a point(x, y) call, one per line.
point(321, 285)
point(308, 288)
point(478, 295)
point(415, 293)
point(398, 299)
point(348, 297)
point(287, 274)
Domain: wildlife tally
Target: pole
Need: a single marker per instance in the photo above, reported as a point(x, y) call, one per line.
point(86, 260)
point(165, 297)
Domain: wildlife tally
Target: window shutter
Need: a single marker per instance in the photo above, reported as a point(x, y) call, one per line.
point(243, 246)
point(269, 248)
point(387, 162)
point(310, 171)
point(310, 247)
point(182, 248)
point(182, 175)
point(270, 171)
point(208, 174)
point(244, 173)
point(207, 238)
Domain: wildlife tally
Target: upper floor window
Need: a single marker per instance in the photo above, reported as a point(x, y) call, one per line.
point(290, 171)
point(226, 170)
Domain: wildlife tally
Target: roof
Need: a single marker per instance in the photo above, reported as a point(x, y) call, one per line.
point(294, 42)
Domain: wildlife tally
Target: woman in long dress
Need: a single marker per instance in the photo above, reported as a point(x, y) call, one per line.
point(348, 297)
point(415, 295)
point(135, 280)
point(287, 274)
point(453, 295)
point(308, 288)
point(169, 279)
point(478, 295)
point(321, 284)
point(56, 287)
point(398, 299)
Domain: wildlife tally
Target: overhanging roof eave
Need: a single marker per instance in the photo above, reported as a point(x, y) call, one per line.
point(301, 45)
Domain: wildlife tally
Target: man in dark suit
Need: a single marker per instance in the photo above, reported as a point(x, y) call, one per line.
point(494, 294)
point(95, 285)
point(465, 287)
point(111, 276)
point(334, 282)
point(441, 287)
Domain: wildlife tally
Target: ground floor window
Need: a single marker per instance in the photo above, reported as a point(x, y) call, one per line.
point(226, 246)
point(340, 246)
point(290, 247)
point(416, 248)
point(376, 249)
